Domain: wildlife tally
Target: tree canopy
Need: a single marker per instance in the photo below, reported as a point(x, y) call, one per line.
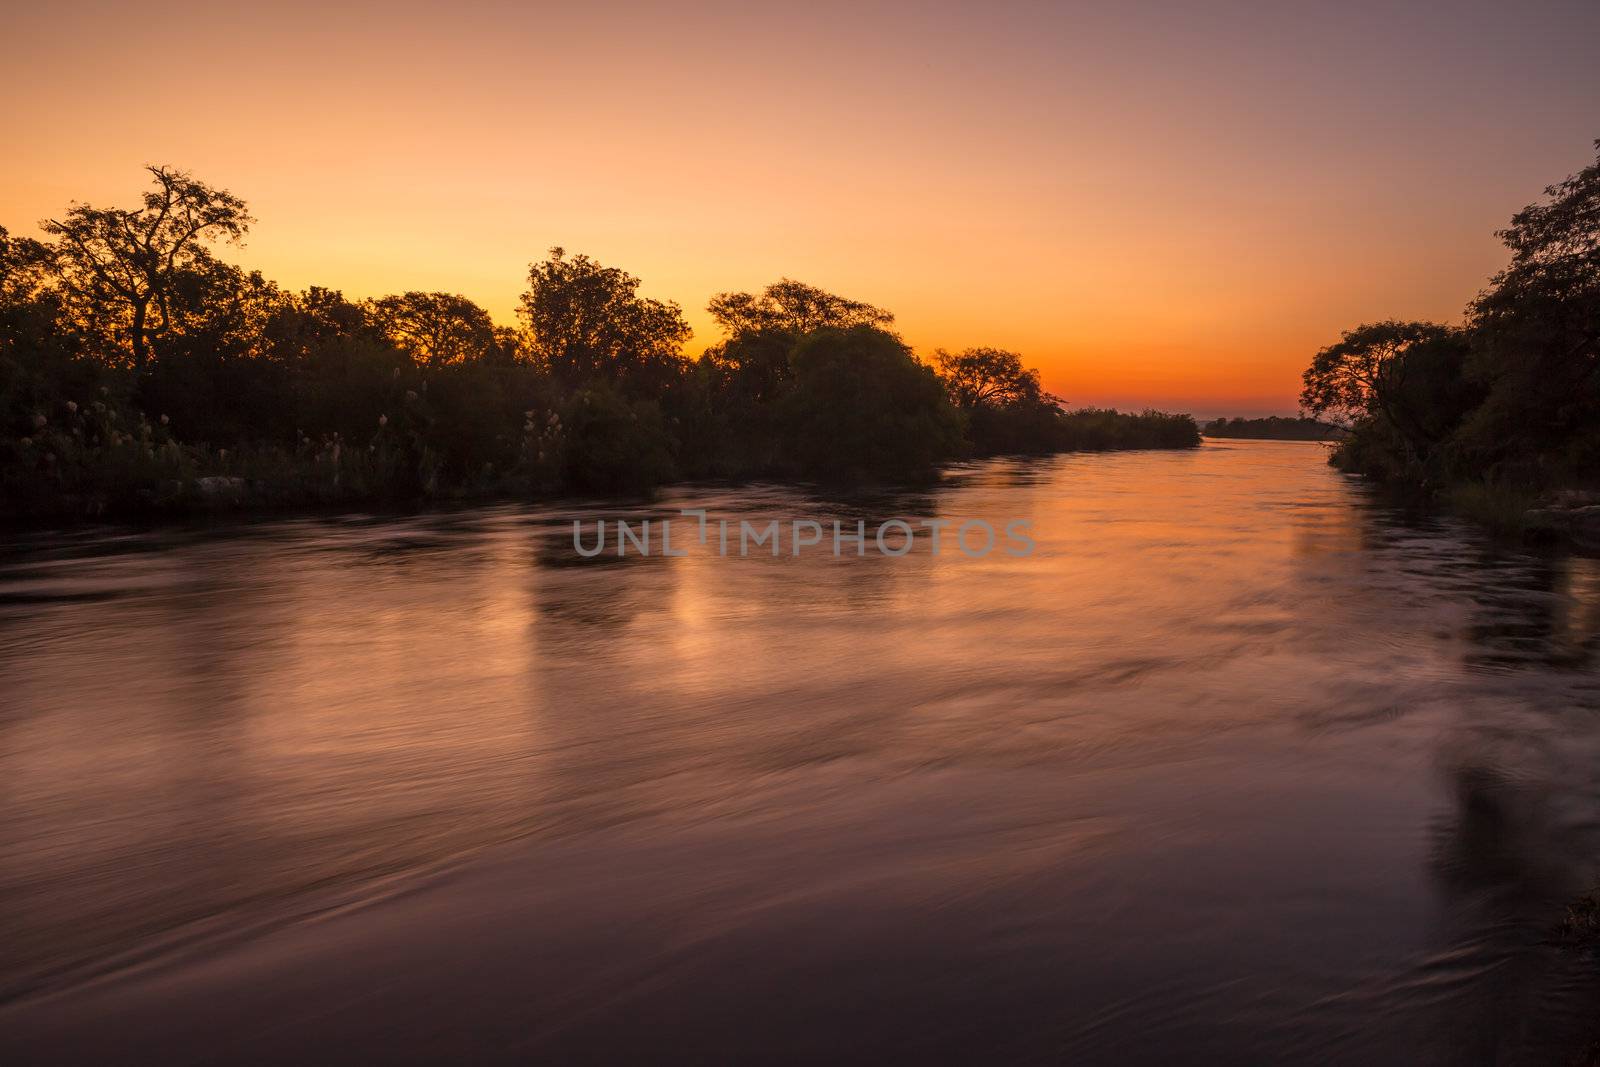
point(436, 329)
point(1363, 369)
point(1512, 395)
point(792, 307)
point(864, 407)
point(137, 367)
point(587, 322)
point(125, 261)
point(980, 377)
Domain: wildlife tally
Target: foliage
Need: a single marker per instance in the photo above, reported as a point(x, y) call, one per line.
point(1103, 429)
point(140, 372)
point(988, 377)
point(587, 323)
point(612, 444)
point(863, 407)
point(1273, 428)
point(794, 308)
point(120, 265)
point(435, 329)
point(1509, 402)
point(1366, 371)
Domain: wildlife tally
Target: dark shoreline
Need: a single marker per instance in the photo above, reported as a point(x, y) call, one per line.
point(271, 503)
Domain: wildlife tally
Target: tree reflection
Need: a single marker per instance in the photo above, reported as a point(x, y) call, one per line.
point(1521, 834)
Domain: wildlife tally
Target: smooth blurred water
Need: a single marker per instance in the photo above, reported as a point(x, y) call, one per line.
point(1241, 765)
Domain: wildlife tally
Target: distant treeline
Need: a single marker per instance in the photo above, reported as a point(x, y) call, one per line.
point(138, 370)
point(1273, 428)
point(1506, 404)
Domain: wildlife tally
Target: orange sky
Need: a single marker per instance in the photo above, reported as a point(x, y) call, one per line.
point(1174, 204)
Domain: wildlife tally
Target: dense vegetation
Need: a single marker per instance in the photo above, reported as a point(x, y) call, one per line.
point(1272, 428)
point(1504, 407)
point(138, 370)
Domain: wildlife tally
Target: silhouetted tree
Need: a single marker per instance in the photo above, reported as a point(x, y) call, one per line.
point(29, 310)
point(216, 370)
point(316, 317)
point(510, 345)
point(435, 329)
point(347, 373)
point(124, 262)
point(1365, 372)
point(1273, 428)
point(135, 365)
point(792, 307)
point(23, 262)
point(987, 376)
point(40, 355)
point(1512, 399)
point(611, 443)
point(863, 407)
point(587, 322)
point(1536, 332)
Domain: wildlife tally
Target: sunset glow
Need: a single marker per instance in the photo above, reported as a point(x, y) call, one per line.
point(1172, 206)
point(1000, 531)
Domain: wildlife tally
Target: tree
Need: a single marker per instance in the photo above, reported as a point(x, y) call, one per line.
point(988, 377)
point(1551, 242)
point(1363, 373)
point(39, 364)
point(752, 368)
point(611, 444)
point(1536, 329)
point(435, 329)
point(792, 307)
point(28, 308)
point(346, 372)
point(862, 407)
point(216, 375)
point(587, 322)
point(510, 345)
point(123, 263)
point(314, 318)
point(751, 371)
point(22, 263)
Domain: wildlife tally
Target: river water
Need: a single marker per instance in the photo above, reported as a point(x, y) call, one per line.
point(1240, 764)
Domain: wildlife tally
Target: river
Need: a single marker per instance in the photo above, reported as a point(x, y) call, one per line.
point(1239, 764)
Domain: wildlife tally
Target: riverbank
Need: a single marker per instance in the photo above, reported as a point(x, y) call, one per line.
point(1571, 516)
point(1272, 428)
point(1519, 514)
point(146, 474)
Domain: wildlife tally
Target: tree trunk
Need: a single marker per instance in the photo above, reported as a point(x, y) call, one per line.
point(141, 310)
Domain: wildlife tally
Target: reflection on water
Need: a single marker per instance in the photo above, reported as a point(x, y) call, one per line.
point(1240, 762)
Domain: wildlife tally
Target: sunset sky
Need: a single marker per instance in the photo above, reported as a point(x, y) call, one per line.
point(1168, 204)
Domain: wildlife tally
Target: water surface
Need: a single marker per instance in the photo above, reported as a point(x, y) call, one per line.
point(1240, 765)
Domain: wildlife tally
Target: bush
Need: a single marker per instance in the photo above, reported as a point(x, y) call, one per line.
point(863, 408)
point(199, 384)
point(609, 444)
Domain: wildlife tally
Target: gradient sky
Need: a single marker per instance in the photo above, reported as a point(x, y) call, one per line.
point(1170, 204)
